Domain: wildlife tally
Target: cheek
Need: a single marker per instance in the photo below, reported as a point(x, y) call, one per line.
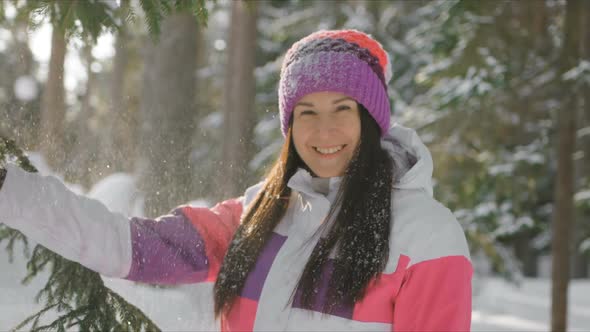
point(298, 138)
point(354, 131)
point(301, 130)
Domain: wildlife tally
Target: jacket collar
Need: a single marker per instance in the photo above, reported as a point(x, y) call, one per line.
point(303, 182)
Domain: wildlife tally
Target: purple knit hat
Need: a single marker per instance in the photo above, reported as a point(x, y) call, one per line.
point(345, 61)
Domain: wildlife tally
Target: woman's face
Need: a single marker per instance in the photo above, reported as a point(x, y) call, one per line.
point(326, 131)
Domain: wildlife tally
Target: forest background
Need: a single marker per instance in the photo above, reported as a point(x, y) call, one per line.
point(181, 97)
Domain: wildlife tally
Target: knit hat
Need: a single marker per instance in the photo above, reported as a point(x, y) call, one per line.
point(345, 61)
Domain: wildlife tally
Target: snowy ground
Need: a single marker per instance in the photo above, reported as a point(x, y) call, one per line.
point(497, 306)
point(500, 306)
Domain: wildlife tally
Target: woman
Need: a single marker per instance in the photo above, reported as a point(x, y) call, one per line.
point(342, 234)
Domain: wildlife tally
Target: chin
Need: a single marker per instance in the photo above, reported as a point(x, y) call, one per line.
point(326, 174)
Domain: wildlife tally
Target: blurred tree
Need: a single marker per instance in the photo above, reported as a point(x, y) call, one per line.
point(121, 128)
point(564, 189)
point(82, 144)
point(581, 250)
point(19, 88)
point(67, 18)
point(168, 115)
point(239, 97)
point(86, 19)
point(53, 105)
point(484, 106)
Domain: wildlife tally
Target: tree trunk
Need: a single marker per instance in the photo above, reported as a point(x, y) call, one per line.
point(582, 228)
point(22, 116)
point(532, 17)
point(53, 104)
point(83, 166)
point(122, 122)
point(168, 115)
point(564, 209)
point(240, 93)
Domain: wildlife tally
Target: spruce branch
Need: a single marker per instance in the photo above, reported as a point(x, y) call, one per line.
point(88, 19)
point(34, 318)
point(156, 10)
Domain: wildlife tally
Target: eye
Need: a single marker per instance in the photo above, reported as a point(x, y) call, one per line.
point(307, 112)
point(342, 108)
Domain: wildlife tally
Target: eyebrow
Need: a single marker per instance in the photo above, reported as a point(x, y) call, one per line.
point(301, 103)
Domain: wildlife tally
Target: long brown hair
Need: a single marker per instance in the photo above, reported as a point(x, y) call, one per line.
point(359, 236)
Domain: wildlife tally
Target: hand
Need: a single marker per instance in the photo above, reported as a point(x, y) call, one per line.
point(2, 176)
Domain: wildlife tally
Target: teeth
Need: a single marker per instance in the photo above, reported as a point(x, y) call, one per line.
point(329, 150)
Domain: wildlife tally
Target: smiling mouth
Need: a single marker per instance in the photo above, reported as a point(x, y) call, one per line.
point(329, 151)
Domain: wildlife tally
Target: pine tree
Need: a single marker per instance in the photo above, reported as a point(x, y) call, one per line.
point(239, 99)
point(487, 104)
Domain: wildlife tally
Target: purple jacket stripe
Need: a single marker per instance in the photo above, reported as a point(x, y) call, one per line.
point(168, 250)
point(340, 310)
point(257, 277)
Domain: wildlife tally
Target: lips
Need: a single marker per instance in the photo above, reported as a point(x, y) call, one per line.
point(329, 150)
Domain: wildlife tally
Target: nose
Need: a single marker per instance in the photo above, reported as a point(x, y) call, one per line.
point(324, 125)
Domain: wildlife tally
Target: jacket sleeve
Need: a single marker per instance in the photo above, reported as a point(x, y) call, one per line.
point(435, 296)
point(185, 246)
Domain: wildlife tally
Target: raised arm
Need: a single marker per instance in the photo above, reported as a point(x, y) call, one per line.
point(185, 246)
